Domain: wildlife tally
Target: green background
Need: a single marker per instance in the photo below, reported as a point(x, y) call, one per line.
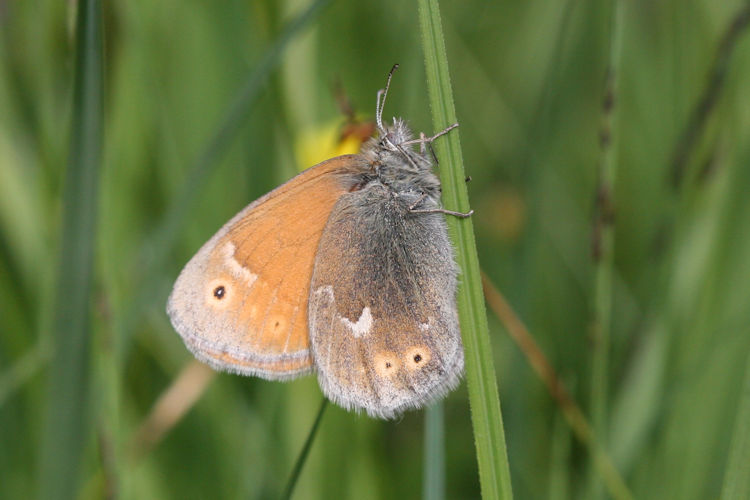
point(528, 80)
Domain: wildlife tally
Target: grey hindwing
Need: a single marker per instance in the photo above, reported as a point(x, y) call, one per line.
point(382, 312)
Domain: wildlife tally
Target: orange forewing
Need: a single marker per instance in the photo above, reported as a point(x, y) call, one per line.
point(241, 302)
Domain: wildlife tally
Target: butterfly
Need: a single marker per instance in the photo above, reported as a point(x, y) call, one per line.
point(346, 270)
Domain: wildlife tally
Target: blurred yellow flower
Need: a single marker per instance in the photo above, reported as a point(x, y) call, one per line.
point(336, 138)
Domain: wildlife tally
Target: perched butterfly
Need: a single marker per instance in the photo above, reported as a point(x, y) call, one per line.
point(345, 270)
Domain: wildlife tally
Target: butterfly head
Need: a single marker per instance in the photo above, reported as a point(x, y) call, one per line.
point(393, 157)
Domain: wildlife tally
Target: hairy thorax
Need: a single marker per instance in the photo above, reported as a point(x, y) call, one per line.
point(396, 164)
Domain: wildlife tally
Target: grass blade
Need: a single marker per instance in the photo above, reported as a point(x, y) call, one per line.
point(171, 406)
point(66, 429)
point(571, 411)
point(166, 232)
point(304, 452)
point(603, 243)
point(700, 114)
point(433, 480)
point(23, 369)
point(230, 124)
point(737, 476)
point(489, 435)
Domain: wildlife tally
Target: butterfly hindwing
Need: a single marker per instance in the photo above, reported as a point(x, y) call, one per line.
point(383, 322)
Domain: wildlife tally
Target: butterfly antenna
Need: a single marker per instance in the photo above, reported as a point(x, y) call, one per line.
point(380, 104)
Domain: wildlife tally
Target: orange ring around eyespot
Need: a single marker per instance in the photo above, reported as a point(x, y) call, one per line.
point(220, 293)
point(386, 363)
point(416, 357)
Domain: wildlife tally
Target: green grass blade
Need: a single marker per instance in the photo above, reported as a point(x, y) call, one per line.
point(206, 162)
point(304, 452)
point(23, 369)
point(230, 125)
point(489, 435)
point(603, 245)
point(433, 479)
point(66, 428)
point(737, 476)
point(704, 107)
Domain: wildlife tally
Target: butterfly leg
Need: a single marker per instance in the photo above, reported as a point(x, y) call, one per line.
point(429, 140)
point(423, 140)
point(461, 215)
point(412, 209)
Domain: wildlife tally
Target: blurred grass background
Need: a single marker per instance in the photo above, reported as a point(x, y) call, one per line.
point(528, 81)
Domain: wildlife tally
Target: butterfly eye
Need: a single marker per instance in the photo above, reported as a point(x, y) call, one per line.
point(220, 292)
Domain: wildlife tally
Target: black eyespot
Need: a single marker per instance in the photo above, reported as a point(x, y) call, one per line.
point(417, 358)
point(220, 292)
point(387, 364)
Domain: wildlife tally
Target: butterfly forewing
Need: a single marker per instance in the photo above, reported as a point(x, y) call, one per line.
point(240, 304)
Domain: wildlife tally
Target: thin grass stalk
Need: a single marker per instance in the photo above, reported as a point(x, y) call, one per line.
point(737, 474)
point(433, 477)
point(560, 457)
point(603, 241)
point(701, 112)
point(694, 131)
point(106, 396)
point(572, 413)
point(489, 435)
point(170, 407)
point(304, 452)
point(24, 369)
point(66, 431)
point(542, 117)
